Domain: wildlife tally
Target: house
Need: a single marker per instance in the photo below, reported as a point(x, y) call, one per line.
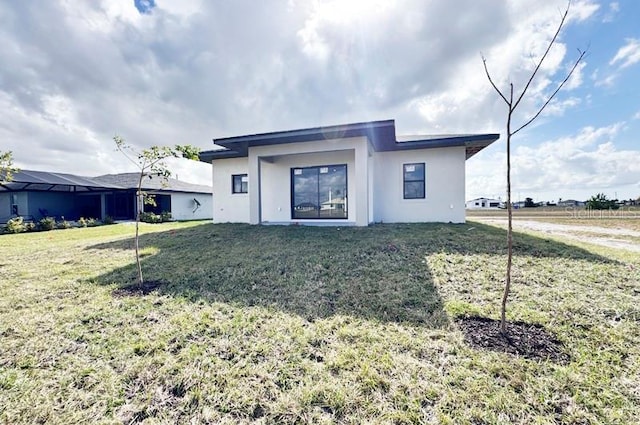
point(184, 200)
point(570, 203)
point(36, 194)
point(353, 174)
point(484, 203)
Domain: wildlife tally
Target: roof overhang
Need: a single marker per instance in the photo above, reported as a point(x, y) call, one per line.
point(381, 135)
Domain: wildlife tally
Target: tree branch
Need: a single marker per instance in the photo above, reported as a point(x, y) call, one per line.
point(484, 62)
point(553, 40)
point(575, 65)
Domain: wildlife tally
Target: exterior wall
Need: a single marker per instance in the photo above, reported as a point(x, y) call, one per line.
point(56, 204)
point(21, 199)
point(183, 206)
point(270, 170)
point(374, 183)
point(229, 207)
point(276, 183)
point(445, 186)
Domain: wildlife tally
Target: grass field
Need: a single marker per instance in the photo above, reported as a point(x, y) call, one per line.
point(269, 324)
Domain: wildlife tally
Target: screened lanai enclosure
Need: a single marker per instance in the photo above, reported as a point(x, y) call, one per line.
point(38, 194)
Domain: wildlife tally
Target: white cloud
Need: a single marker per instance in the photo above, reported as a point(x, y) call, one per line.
point(628, 54)
point(612, 12)
point(565, 167)
point(577, 78)
point(193, 70)
point(636, 116)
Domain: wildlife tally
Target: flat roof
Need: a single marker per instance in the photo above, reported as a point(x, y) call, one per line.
point(381, 134)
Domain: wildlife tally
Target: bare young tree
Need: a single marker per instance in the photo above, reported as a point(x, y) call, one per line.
point(150, 164)
point(513, 99)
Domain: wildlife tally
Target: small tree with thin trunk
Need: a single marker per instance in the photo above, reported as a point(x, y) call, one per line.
point(6, 166)
point(513, 98)
point(151, 164)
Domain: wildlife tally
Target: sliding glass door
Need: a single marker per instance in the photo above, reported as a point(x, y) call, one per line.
point(319, 192)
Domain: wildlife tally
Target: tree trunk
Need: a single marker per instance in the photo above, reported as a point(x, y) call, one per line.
point(137, 238)
point(507, 283)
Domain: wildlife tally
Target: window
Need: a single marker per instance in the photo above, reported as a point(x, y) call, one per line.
point(413, 181)
point(239, 183)
point(319, 192)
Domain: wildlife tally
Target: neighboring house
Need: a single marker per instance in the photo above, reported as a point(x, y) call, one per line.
point(352, 174)
point(185, 201)
point(36, 194)
point(570, 203)
point(484, 203)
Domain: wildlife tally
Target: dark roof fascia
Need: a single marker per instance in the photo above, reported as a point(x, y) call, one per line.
point(381, 135)
point(473, 143)
point(208, 156)
point(238, 147)
point(442, 142)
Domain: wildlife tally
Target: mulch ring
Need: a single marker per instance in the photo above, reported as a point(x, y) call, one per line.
point(136, 289)
point(528, 340)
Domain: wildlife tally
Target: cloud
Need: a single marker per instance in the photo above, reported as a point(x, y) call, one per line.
point(612, 12)
point(192, 70)
point(581, 163)
point(628, 54)
point(636, 116)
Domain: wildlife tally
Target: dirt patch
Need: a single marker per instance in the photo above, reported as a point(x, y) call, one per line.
point(135, 289)
point(528, 340)
point(603, 236)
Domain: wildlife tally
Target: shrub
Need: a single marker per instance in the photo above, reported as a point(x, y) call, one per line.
point(63, 224)
point(47, 223)
point(166, 216)
point(108, 220)
point(87, 222)
point(16, 225)
point(149, 217)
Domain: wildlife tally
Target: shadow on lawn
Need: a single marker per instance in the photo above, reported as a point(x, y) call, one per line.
point(378, 272)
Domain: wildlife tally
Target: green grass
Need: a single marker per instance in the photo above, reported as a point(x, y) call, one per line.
point(310, 325)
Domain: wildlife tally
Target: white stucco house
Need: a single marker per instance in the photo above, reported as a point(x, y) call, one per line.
point(353, 174)
point(484, 203)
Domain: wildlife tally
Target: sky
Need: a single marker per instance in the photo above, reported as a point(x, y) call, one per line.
point(158, 72)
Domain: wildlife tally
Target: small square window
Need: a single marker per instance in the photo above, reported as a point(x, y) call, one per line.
point(413, 179)
point(239, 183)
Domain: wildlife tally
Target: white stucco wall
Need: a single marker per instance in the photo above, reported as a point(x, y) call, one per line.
point(229, 207)
point(445, 186)
point(275, 162)
point(374, 183)
point(276, 183)
point(183, 206)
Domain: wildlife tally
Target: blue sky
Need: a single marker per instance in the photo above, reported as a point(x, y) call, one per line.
point(164, 72)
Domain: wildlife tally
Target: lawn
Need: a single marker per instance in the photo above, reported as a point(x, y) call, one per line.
point(269, 324)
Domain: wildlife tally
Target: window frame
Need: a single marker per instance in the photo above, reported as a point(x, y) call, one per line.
point(423, 180)
point(318, 167)
point(233, 184)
